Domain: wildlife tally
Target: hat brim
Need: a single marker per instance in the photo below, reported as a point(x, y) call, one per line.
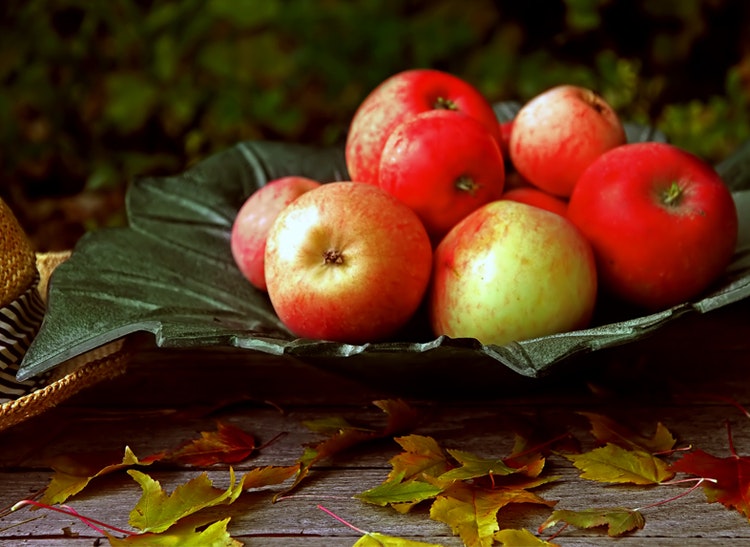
point(80, 373)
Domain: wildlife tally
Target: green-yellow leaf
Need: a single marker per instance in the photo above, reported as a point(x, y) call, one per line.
point(474, 521)
point(397, 492)
point(607, 430)
point(373, 539)
point(473, 466)
point(613, 464)
point(184, 534)
point(421, 456)
point(74, 473)
point(157, 511)
point(618, 520)
point(472, 512)
point(511, 537)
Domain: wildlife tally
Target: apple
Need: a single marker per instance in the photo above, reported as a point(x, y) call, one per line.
point(662, 223)
point(347, 262)
point(443, 165)
point(400, 97)
point(253, 222)
point(506, 128)
point(560, 132)
point(511, 271)
point(513, 179)
point(538, 198)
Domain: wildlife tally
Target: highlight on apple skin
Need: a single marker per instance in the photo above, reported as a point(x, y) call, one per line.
point(662, 223)
point(253, 222)
point(443, 165)
point(347, 262)
point(397, 99)
point(559, 133)
point(511, 271)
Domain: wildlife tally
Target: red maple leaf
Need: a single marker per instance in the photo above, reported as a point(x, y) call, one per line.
point(728, 478)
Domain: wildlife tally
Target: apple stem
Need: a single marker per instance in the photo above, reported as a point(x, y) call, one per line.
point(332, 256)
point(673, 195)
point(441, 103)
point(465, 183)
point(596, 102)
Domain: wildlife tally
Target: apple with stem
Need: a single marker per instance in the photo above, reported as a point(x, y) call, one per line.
point(662, 223)
point(511, 271)
point(443, 165)
point(347, 262)
point(253, 222)
point(560, 132)
point(397, 99)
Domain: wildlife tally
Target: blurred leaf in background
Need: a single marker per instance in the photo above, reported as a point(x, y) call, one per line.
point(95, 93)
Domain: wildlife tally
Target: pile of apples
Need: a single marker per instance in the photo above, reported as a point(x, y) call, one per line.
point(429, 218)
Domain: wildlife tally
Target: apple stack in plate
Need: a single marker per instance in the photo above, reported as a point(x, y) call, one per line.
point(504, 231)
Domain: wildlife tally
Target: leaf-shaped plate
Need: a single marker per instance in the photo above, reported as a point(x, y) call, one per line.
point(170, 273)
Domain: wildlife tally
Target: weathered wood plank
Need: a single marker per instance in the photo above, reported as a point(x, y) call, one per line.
point(487, 428)
point(348, 541)
point(112, 498)
point(677, 379)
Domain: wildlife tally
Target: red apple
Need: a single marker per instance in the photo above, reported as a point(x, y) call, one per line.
point(511, 271)
point(506, 128)
point(400, 97)
point(538, 198)
point(513, 179)
point(559, 133)
point(443, 165)
point(253, 222)
point(662, 223)
point(347, 262)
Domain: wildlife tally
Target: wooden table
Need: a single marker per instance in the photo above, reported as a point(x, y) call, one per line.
point(676, 377)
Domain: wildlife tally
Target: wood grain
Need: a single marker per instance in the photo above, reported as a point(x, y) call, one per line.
point(681, 378)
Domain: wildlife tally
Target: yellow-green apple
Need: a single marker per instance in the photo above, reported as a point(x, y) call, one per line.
point(511, 271)
point(443, 165)
point(347, 262)
point(559, 133)
point(400, 97)
point(662, 223)
point(538, 198)
point(253, 222)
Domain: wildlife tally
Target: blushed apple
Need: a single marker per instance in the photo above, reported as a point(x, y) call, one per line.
point(538, 198)
point(400, 97)
point(662, 223)
point(559, 133)
point(347, 262)
point(443, 165)
point(506, 128)
point(253, 222)
point(509, 272)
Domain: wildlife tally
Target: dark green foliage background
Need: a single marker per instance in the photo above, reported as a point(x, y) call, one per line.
point(95, 92)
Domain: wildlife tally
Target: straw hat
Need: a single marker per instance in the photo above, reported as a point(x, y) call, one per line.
point(24, 276)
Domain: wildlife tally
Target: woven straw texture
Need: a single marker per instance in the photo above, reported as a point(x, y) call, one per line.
point(17, 258)
point(87, 372)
